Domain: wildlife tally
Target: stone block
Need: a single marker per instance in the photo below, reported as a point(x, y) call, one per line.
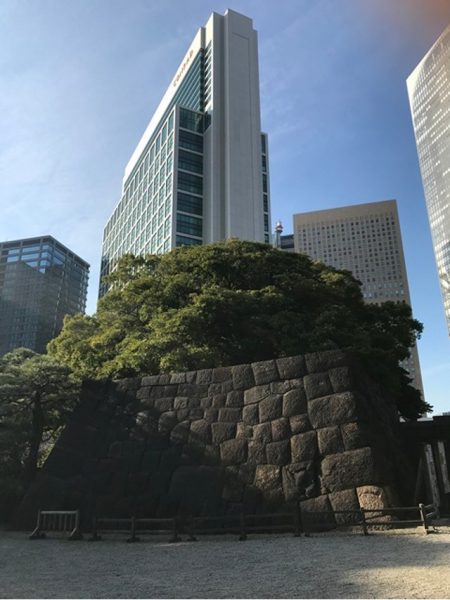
point(180, 433)
point(163, 405)
point(178, 378)
point(373, 497)
point(304, 446)
point(243, 430)
point(332, 410)
point(291, 367)
point(230, 415)
point(317, 385)
point(211, 455)
point(294, 402)
point(340, 379)
point(222, 432)
point(265, 371)
point(233, 452)
point(143, 393)
point(196, 413)
point(268, 477)
point(164, 379)
point(317, 522)
point(204, 376)
point(150, 380)
point(317, 362)
point(257, 452)
point(181, 402)
point(353, 436)
point(299, 423)
point(270, 408)
point(278, 453)
point(211, 415)
point(201, 431)
point(221, 374)
point(242, 377)
point(218, 401)
point(205, 402)
point(280, 429)
point(250, 414)
point(192, 389)
point(182, 414)
point(256, 394)
point(235, 399)
point(353, 468)
point(345, 500)
point(329, 440)
point(299, 481)
point(191, 376)
point(263, 432)
point(167, 421)
point(280, 387)
point(163, 391)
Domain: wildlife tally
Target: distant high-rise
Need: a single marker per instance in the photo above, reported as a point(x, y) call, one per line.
point(366, 240)
point(200, 172)
point(429, 97)
point(41, 281)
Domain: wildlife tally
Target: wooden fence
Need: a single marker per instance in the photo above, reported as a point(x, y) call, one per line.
point(297, 522)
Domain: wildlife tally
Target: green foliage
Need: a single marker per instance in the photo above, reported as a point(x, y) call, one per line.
point(36, 393)
point(229, 303)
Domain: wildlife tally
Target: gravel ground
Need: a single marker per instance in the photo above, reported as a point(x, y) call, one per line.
point(382, 565)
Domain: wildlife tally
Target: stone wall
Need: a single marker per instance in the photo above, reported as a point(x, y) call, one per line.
point(256, 437)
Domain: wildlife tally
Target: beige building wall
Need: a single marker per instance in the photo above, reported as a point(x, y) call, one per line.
point(366, 240)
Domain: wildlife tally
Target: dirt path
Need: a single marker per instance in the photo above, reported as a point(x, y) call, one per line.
point(383, 565)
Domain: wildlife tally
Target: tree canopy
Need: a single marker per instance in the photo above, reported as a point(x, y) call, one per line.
point(235, 302)
point(36, 393)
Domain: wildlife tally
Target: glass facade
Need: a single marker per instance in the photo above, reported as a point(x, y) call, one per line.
point(40, 282)
point(429, 95)
point(165, 202)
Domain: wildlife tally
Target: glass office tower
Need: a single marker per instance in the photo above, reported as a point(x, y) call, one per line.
point(41, 281)
point(200, 172)
point(429, 97)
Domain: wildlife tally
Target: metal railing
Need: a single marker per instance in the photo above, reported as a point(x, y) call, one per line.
point(57, 521)
point(134, 526)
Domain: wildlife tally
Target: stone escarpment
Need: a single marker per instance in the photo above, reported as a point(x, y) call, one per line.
point(255, 437)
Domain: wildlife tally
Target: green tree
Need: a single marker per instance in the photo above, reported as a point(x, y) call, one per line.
point(234, 302)
point(36, 394)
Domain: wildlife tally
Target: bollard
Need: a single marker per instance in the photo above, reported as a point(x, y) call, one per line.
point(243, 535)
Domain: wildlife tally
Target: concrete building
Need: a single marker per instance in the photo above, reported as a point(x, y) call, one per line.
point(429, 97)
point(200, 172)
point(366, 240)
point(41, 281)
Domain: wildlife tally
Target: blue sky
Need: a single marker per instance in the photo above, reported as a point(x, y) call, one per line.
point(80, 80)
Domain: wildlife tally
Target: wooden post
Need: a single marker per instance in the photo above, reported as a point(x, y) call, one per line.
point(191, 530)
point(36, 534)
point(243, 535)
point(175, 537)
point(423, 516)
point(76, 533)
point(297, 520)
point(133, 538)
point(363, 521)
point(95, 537)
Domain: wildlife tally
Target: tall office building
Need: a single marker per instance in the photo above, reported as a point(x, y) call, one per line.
point(200, 172)
point(429, 97)
point(41, 281)
point(366, 240)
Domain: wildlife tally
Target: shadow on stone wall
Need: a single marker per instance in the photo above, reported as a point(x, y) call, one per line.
point(253, 437)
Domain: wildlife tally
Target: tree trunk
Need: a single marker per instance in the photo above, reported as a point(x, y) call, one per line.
point(37, 430)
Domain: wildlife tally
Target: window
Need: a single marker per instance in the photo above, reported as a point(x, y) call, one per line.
point(189, 204)
point(191, 141)
point(190, 162)
point(181, 240)
point(189, 225)
point(191, 120)
point(190, 183)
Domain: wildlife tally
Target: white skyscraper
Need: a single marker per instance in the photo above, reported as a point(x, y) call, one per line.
point(429, 97)
point(200, 171)
point(366, 240)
